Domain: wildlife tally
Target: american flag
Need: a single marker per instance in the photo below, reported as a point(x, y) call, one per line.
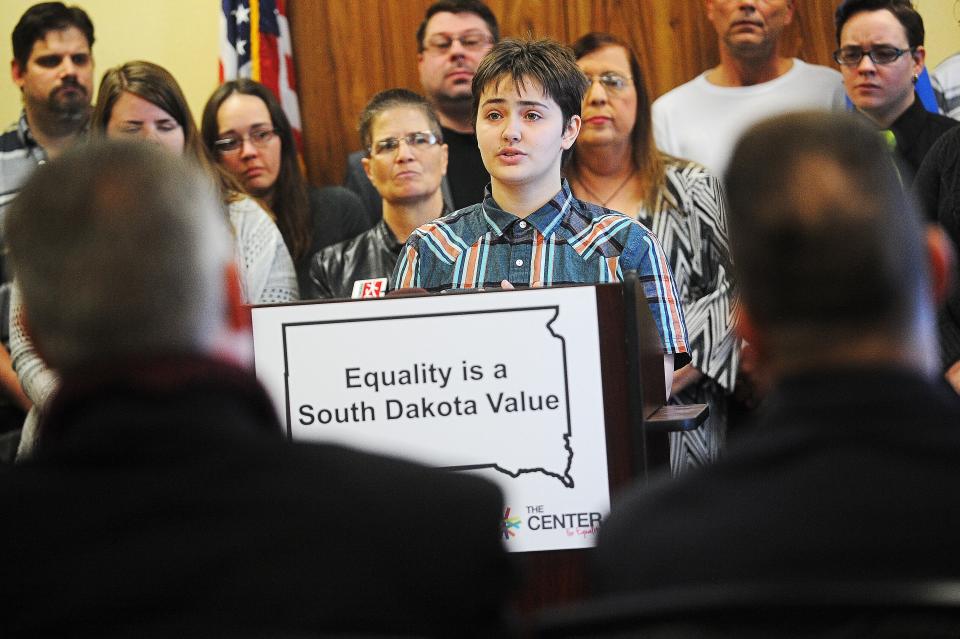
point(264, 53)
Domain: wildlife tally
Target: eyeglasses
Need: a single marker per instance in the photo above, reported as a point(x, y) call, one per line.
point(472, 41)
point(611, 81)
point(416, 140)
point(883, 54)
point(258, 138)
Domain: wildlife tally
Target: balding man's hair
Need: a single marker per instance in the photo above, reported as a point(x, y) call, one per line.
point(826, 242)
point(120, 250)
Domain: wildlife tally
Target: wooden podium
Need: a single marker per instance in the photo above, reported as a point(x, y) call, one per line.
point(607, 367)
point(637, 421)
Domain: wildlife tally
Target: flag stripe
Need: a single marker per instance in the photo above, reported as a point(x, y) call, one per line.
point(255, 43)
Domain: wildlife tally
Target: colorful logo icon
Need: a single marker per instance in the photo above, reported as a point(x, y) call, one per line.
point(508, 525)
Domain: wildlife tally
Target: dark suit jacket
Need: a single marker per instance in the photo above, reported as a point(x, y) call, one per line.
point(849, 474)
point(164, 499)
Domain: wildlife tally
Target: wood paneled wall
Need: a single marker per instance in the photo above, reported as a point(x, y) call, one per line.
point(347, 50)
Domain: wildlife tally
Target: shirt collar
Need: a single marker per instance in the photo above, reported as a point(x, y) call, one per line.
point(546, 219)
point(26, 137)
point(28, 141)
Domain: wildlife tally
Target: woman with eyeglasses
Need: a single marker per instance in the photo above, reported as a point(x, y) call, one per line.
point(141, 100)
point(405, 159)
point(245, 129)
point(881, 57)
point(616, 164)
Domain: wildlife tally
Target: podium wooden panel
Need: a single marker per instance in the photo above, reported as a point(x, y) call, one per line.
point(637, 423)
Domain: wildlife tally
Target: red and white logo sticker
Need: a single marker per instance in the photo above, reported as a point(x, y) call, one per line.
point(363, 289)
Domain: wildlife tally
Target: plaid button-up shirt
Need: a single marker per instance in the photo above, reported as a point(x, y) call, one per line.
point(566, 241)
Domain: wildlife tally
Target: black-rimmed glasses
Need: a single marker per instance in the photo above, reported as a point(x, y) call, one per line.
point(883, 54)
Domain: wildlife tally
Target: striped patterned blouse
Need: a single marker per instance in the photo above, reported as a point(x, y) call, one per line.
point(566, 241)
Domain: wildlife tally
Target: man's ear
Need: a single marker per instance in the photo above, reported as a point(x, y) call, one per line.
point(570, 132)
point(708, 8)
point(16, 73)
point(919, 57)
point(791, 9)
point(238, 317)
point(943, 263)
point(747, 328)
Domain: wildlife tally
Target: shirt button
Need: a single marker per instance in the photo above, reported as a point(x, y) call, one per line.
point(519, 262)
point(523, 225)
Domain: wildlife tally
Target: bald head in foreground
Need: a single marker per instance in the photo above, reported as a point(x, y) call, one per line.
point(839, 280)
point(163, 497)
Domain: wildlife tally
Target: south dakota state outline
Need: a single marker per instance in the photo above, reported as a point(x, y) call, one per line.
point(484, 389)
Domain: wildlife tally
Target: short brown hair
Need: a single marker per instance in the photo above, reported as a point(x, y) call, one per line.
point(902, 10)
point(546, 62)
point(41, 18)
point(812, 271)
point(390, 99)
point(458, 6)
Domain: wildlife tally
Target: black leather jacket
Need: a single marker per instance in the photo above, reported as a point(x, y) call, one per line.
point(334, 269)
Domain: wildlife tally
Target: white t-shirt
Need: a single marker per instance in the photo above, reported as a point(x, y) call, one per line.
point(701, 121)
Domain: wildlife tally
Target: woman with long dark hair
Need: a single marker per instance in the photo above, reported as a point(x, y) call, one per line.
point(246, 131)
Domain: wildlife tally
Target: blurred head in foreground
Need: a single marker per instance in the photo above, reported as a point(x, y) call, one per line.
point(122, 251)
point(834, 264)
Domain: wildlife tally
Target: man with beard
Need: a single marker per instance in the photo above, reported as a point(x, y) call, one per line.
point(452, 39)
point(702, 119)
point(53, 67)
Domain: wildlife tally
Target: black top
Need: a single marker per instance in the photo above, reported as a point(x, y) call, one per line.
point(916, 130)
point(938, 188)
point(337, 214)
point(164, 500)
point(357, 181)
point(465, 171)
point(849, 474)
point(370, 255)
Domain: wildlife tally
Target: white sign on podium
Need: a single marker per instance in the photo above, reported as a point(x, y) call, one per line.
point(506, 385)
